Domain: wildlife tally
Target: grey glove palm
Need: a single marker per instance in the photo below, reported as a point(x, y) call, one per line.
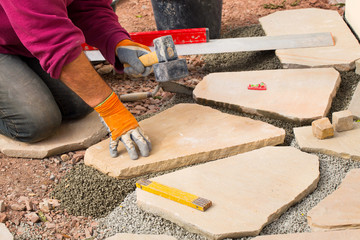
point(128, 52)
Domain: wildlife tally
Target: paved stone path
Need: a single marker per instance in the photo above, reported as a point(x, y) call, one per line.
point(183, 135)
point(342, 56)
point(343, 144)
point(71, 136)
point(341, 209)
point(333, 235)
point(297, 95)
point(248, 191)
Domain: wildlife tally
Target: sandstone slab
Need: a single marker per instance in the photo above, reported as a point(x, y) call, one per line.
point(333, 235)
point(357, 66)
point(322, 128)
point(342, 56)
point(296, 95)
point(341, 209)
point(343, 144)
point(343, 120)
point(354, 106)
point(352, 15)
point(184, 135)
point(128, 236)
point(248, 191)
point(71, 136)
point(5, 233)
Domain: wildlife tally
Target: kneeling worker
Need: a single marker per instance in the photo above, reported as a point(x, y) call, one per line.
point(45, 76)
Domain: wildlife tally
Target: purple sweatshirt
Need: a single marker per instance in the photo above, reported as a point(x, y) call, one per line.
point(53, 30)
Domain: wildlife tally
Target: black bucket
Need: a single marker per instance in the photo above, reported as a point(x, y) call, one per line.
point(182, 14)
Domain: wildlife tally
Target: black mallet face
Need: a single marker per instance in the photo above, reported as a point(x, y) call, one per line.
point(172, 70)
point(170, 67)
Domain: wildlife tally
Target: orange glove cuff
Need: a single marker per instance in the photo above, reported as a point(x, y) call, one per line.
point(117, 118)
point(127, 42)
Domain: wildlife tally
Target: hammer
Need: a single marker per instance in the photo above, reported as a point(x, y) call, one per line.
point(166, 64)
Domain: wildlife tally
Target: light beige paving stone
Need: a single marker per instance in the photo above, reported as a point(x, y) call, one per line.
point(72, 135)
point(128, 236)
point(352, 15)
point(333, 235)
point(357, 66)
point(343, 144)
point(300, 21)
point(248, 191)
point(296, 95)
point(354, 106)
point(343, 120)
point(322, 128)
point(183, 135)
point(5, 233)
point(341, 209)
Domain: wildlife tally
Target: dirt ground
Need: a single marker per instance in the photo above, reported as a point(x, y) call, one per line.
point(28, 182)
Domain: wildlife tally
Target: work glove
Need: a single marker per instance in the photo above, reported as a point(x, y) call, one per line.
point(123, 127)
point(128, 52)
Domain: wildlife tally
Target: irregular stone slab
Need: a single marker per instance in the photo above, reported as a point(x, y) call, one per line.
point(248, 191)
point(343, 144)
point(333, 235)
point(71, 136)
point(128, 236)
point(352, 15)
point(354, 106)
point(184, 135)
point(341, 209)
point(5, 233)
point(342, 56)
point(301, 88)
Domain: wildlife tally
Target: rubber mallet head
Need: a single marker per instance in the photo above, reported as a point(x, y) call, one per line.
point(170, 67)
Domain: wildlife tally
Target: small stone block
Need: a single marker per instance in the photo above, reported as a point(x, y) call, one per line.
point(322, 128)
point(343, 120)
point(357, 66)
point(18, 207)
point(33, 217)
point(45, 206)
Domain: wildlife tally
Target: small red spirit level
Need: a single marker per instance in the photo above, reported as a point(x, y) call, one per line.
point(259, 86)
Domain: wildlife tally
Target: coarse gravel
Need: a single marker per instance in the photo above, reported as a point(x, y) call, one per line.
point(85, 191)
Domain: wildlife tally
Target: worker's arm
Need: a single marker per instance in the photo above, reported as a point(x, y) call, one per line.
point(100, 26)
point(81, 77)
point(46, 31)
point(101, 29)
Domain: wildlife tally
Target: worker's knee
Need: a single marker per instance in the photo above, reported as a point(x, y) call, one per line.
point(36, 128)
